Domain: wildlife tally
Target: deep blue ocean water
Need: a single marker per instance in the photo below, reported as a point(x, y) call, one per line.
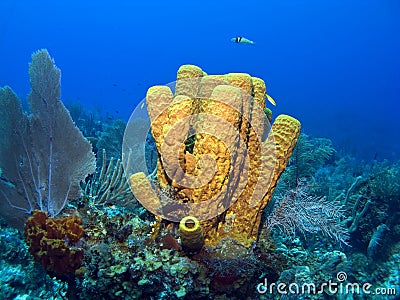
point(333, 64)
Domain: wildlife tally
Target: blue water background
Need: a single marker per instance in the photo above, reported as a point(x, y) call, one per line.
point(333, 64)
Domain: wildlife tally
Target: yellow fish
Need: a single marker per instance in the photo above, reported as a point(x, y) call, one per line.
point(270, 99)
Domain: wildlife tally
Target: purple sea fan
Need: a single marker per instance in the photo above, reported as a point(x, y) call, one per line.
point(297, 211)
point(43, 156)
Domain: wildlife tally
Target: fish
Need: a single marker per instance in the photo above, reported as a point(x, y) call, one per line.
point(270, 99)
point(242, 40)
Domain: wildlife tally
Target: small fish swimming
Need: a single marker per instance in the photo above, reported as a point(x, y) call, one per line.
point(269, 98)
point(242, 40)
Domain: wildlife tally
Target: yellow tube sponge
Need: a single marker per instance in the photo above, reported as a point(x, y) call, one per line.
point(245, 213)
point(279, 145)
point(141, 186)
point(191, 234)
point(225, 174)
point(188, 80)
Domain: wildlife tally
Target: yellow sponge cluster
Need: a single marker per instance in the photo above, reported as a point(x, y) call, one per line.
point(231, 164)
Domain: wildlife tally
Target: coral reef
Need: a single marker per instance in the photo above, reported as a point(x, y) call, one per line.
point(111, 139)
point(298, 212)
point(20, 276)
point(55, 243)
point(308, 156)
point(123, 261)
point(105, 245)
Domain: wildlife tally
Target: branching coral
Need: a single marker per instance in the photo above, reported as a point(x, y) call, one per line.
point(352, 202)
point(297, 211)
point(371, 202)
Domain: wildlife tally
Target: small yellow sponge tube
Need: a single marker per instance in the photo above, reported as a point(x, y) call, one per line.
point(192, 238)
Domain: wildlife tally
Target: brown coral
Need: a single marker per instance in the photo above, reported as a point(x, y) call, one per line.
point(55, 242)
